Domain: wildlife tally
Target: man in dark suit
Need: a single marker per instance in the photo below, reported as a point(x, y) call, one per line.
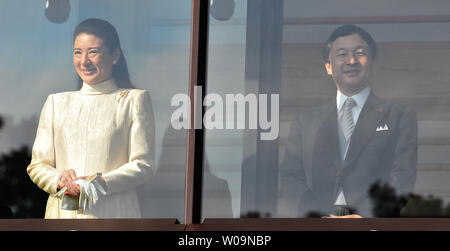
point(337, 151)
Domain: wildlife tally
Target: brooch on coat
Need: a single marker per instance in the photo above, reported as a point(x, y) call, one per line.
point(122, 94)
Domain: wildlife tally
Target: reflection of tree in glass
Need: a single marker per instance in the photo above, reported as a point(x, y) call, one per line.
point(19, 197)
point(314, 214)
point(429, 206)
point(386, 203)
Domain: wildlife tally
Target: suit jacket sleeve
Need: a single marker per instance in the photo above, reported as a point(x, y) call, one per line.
point(403, 174)
point(42, 169)
point(140, 165)
point(293, 180)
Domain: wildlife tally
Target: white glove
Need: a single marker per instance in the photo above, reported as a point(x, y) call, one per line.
point(89, 193)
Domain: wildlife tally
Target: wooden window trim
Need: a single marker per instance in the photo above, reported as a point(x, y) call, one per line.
point(195, 137)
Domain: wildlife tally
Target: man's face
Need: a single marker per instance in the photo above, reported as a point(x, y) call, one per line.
point(350, 64)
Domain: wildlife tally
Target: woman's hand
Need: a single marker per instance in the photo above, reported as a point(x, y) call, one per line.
point(66, 180)
point(73, 190)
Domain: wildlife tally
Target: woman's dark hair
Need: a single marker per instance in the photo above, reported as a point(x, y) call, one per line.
point(106, 31)
point(347, 30)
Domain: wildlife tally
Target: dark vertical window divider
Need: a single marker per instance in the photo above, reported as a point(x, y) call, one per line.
point(197, 78)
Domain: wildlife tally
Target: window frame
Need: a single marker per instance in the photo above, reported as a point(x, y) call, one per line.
point(195, 149)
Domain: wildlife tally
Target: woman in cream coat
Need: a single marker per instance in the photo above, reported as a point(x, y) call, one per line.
point(99, 129)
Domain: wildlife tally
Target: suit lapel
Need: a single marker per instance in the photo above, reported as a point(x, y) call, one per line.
point(326, 151)
point(369, 118)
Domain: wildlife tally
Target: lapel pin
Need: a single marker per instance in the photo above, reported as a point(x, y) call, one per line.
point(380, 109)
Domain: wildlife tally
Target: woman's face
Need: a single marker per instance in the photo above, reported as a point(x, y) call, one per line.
point(92, 59)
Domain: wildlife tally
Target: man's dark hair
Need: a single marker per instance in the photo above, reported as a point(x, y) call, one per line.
point(347, 30)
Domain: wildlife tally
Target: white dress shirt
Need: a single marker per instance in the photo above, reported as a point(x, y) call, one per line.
point(360, 100)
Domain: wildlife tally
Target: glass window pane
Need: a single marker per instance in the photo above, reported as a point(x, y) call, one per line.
point(270, 48)
point(37, 61)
